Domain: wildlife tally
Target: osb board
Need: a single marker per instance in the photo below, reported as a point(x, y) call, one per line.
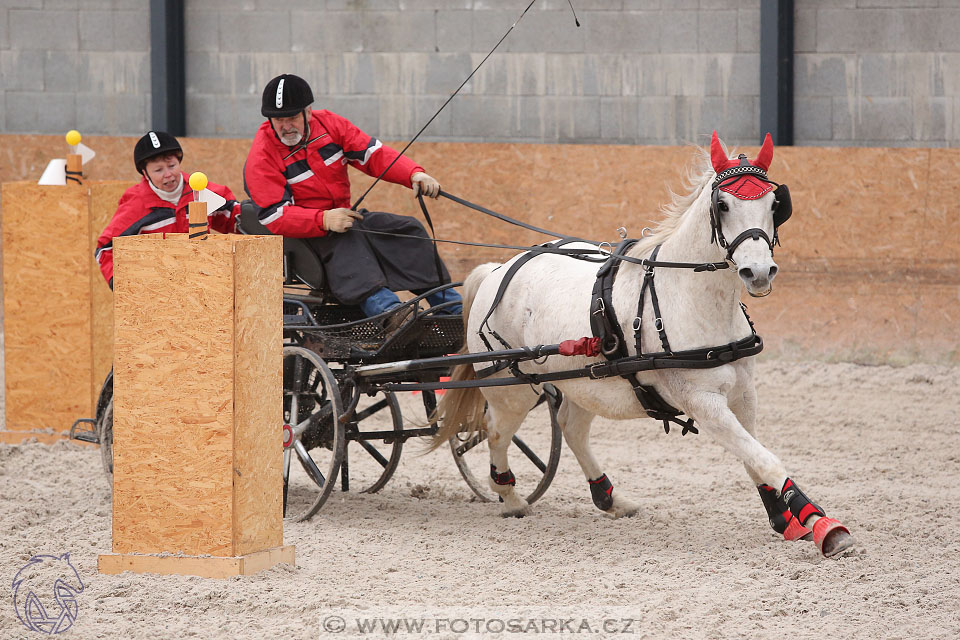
point(46, 290)
point(244, 565)
point(258, 407)
point(941, 197)
point(863, 317)
point(864, 204)
point(104, 197)
point(173, 396)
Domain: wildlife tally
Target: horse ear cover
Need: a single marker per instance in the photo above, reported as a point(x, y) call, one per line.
point(784, 205)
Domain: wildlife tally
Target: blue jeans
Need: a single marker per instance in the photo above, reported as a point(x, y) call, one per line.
point(383, 300)
point(379, 301)
point(447, 295)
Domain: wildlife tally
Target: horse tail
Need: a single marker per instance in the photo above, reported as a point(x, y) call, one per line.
point(462, 409)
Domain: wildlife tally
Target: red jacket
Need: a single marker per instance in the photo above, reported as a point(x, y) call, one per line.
point(140, 210)
point(293, 189)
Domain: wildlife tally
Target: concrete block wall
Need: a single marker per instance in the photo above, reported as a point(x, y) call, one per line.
point(74, 64)
point(868, 72)
point(878, 72)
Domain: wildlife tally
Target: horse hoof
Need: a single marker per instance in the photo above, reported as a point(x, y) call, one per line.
point(831, 537)
point(623, 509)
point(516, 509)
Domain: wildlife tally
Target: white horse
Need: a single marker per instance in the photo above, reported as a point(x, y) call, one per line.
point(549, 300)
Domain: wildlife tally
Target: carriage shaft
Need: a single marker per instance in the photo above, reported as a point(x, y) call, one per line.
point(516, 355)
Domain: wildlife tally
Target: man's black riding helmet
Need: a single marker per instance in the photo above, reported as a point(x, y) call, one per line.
point(285, 96)
point(155, 143)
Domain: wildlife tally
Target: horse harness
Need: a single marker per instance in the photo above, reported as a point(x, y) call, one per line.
point(610, 340)
point(606, 328)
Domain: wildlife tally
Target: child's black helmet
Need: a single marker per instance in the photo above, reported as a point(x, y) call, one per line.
point(153, 144)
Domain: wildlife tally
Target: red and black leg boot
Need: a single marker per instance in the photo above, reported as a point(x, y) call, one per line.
point(601, 490)
point(780, 517)
point(502, 479)
point(830, 536)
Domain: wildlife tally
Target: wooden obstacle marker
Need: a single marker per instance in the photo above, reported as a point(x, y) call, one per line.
point(197, 405)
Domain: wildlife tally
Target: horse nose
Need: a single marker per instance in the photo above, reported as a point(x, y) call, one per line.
point(758, 272)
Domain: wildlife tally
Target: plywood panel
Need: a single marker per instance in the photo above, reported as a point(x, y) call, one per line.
point(104, 197)
point(46, 290)
point(173, 395)
point(258, 407)
point(245, 565)
point(941, 224)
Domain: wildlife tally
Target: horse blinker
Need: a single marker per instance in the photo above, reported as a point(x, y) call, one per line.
point(784, 205)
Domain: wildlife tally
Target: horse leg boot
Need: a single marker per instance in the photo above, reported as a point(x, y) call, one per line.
point(501, 426)
point(781, 519)
point(710, 409)
point(830, 536)
point(575, 424)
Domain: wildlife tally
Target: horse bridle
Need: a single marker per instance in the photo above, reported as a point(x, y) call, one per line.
point(782, 207)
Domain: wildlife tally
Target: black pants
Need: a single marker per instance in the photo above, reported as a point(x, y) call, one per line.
point(358, 264)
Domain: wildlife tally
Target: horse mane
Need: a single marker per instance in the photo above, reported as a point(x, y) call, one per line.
point(697, 174)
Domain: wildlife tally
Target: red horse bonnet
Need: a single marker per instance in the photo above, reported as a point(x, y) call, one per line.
point(746, 187)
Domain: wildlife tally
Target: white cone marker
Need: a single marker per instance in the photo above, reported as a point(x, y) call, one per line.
point(55, 173)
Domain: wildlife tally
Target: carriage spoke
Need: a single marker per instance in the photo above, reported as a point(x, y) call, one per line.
point(369, 411)
point(311, 467)
point(294, 406)
point(527, 451)
point(313, 419)
point(471, 443)
point(297, 386)
point(286, 477)
point(374, 453)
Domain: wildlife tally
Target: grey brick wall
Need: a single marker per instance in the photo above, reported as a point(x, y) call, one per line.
point(878, 72)
point(68, 64)
point(868, 72)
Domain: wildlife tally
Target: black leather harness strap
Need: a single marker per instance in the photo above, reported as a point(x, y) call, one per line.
point(603, 319)
point(657, 317)
point(604, 324)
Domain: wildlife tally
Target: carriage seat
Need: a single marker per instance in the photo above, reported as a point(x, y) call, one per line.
point(300, 263)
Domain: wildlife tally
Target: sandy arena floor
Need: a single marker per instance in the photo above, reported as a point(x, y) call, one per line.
point(878, 447)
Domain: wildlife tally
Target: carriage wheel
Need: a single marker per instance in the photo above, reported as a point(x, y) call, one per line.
point(313, 435)
point(105, 431)
point(534, 466)
point(369, 462)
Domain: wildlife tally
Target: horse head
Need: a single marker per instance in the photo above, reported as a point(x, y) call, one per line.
point(745, 207)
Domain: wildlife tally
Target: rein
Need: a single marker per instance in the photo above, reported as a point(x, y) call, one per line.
point(545, 248)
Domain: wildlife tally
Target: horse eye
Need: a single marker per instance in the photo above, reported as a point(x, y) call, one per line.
point(723, 206)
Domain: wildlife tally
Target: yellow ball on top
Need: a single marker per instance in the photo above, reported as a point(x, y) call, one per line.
point(198, 181)
point(73, 137)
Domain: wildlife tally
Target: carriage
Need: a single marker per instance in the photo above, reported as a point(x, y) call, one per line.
point(338, 429)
